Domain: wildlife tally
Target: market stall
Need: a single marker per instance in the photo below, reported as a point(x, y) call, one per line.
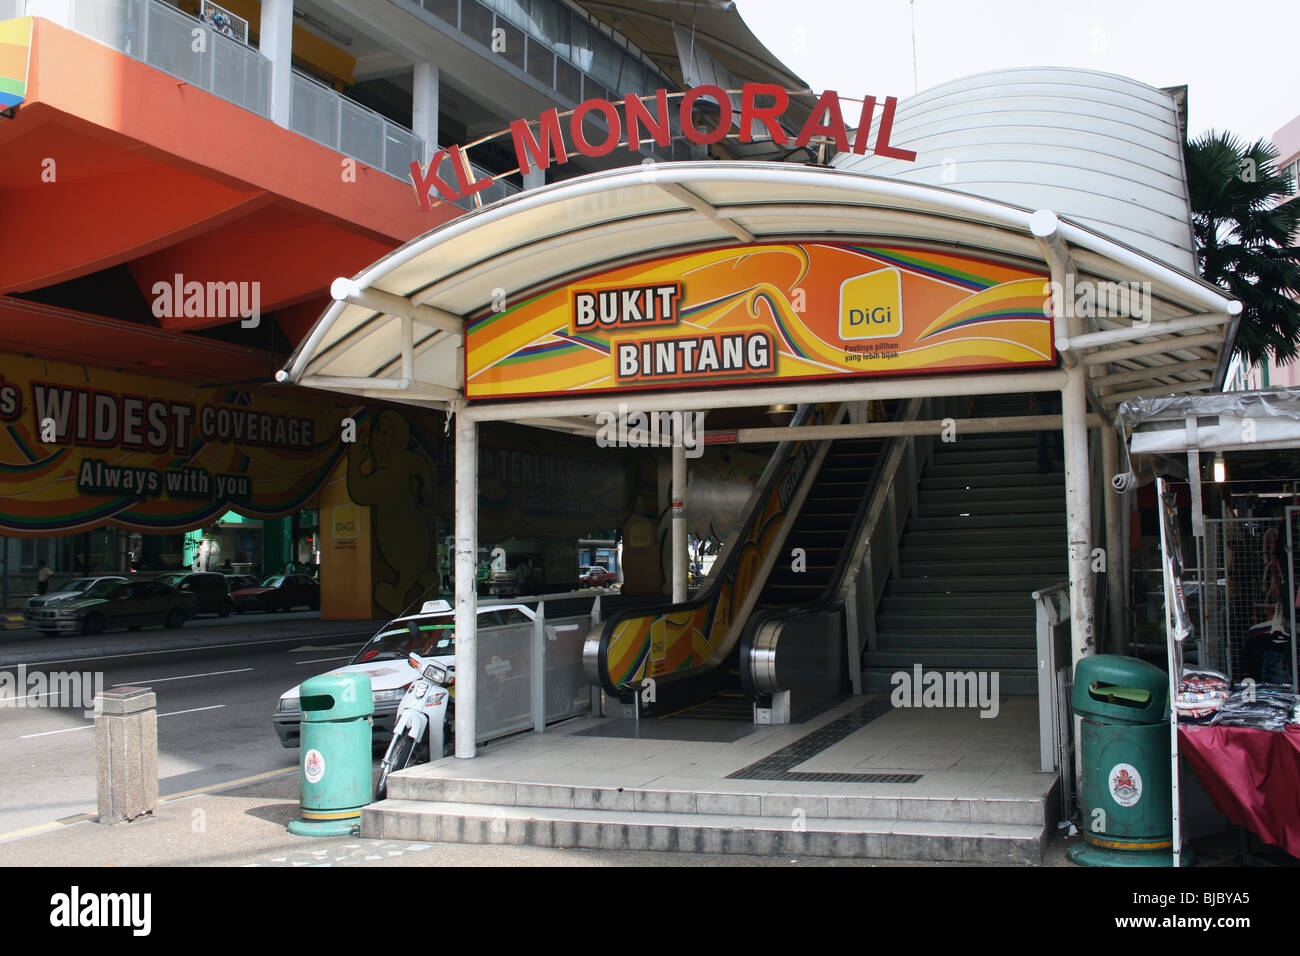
point(1232, 656)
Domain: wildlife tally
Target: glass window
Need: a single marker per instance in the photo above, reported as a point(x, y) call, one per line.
point(511, 615)
point(442, 9)
point(428, 637)
point(273, 582)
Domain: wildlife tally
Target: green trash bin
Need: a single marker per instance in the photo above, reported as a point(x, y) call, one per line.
point(335, 748)
point(1124, 791)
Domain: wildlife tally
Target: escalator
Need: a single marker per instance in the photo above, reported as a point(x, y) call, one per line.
point(783, 570)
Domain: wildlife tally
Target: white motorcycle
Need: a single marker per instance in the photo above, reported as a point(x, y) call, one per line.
point(425, 715)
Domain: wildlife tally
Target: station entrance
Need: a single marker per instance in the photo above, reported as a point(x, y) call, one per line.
point(936, 408)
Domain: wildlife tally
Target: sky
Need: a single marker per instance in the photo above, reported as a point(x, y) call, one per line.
point(1217, 49)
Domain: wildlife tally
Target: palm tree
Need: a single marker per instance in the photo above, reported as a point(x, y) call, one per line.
point(1243, 231)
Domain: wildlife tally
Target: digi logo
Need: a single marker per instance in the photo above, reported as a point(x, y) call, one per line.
point(871, 305)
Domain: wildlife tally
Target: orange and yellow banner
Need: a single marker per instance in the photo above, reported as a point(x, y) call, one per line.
point(765, 312)
point(82, 446)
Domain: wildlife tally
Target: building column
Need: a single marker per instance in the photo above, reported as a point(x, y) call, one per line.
point(426, 97)
point(534, 178)
point(466, 497)
point(1116, 509)
point(275, 40)
point(680, 588)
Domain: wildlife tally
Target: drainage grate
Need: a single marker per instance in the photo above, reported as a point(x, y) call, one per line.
point(777, 766)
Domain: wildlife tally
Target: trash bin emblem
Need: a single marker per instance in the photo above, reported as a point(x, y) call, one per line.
point(1125, 784)
point(313, 766)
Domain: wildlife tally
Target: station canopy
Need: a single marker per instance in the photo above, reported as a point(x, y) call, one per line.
point(396, 330)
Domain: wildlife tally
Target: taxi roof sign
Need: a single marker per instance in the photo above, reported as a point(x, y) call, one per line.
point(434, 607)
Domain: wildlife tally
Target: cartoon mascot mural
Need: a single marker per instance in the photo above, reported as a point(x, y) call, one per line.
point(394, 476)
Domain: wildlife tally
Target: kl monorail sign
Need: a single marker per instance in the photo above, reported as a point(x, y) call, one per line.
point(762, 312)
point(651, 119)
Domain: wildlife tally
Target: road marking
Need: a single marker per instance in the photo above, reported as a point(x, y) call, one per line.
point(159, 680)
point(68, 730)
point(182, 650)
point(322, 660)
point(229, 784)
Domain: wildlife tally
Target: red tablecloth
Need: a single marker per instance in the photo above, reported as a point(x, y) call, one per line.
point(1253, 777)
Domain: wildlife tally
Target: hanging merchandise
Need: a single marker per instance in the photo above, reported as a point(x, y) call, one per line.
point(1266, 652)
point(1201, 693)
point(1173, 556)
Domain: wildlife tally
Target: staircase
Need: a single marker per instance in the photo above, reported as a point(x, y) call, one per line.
point(988, 530)
point(823, 524)
point(426, 807)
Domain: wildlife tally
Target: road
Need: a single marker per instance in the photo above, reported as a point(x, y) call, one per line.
point(216, 692)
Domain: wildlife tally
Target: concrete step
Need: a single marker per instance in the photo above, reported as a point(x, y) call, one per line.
point(1008, 521)
point(975, 619)
point(985, 658)
point(425, 784)
point(939, 586)
point(878, 680)
point(880, 838)
point(930, 482)
point(989, 602)
point(957, 637)
point(959, 452)
point(1034, 552)
point(959, 536)
point(1016, 493)
point(939, 568)
point(1010, 473)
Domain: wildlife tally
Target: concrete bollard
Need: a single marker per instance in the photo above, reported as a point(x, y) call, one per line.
point(126, 753)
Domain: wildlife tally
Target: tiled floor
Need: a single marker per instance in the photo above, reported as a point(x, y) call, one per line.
point(925, 753)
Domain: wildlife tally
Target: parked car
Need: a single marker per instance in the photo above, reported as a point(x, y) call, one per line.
point(596, 576)
point(211, 590)
point(110, 604)
point(73, 588)
point(279, 592)
point(238, 582)
point(431, 633)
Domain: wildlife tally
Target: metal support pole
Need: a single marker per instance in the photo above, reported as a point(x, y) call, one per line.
point(1116, 510)
point(679, 516)
point(539, 669)
point(466, 578)
point(1044, 226)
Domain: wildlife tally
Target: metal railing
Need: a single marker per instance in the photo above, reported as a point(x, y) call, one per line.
point(163, 37)
point(527, 684)
point(1055, 720)
point(877, 554)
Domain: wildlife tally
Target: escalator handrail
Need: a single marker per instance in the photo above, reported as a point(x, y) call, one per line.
point(773, 472)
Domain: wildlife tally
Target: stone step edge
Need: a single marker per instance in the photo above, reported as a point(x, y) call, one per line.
point(710, 833)
point(1025, 811)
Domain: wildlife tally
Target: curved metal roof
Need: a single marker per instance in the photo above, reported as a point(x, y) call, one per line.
point(395, 329)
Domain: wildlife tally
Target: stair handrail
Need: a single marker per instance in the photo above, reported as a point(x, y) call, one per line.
point(902, 460)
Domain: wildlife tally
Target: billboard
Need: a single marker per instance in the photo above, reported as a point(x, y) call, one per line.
point(762, 313)
point(82, 446)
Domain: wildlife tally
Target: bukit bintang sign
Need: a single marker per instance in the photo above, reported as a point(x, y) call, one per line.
point(764, 312)
point(639, 120)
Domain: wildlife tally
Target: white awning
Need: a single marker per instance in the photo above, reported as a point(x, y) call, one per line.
point(395, 329)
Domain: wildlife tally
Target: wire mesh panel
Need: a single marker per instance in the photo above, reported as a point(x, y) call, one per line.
point(1243, 585)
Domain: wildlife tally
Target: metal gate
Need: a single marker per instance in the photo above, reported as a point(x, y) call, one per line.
point(1242, 584)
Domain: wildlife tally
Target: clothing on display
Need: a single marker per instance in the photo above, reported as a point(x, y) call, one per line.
point(1201, 693)
point(1262, 706)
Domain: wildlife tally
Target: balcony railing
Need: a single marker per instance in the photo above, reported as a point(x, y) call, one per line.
point(163, 37)
point(560, 49)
